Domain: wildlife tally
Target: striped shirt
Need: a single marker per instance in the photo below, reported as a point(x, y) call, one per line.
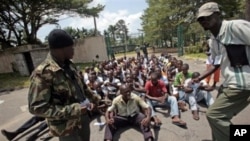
point(234, 32)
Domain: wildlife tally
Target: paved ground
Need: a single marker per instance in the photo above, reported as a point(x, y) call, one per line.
point(13, 109)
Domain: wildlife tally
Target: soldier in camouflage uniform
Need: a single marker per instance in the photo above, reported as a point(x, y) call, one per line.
point(58, 93)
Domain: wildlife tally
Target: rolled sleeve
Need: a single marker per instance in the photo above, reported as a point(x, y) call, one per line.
point(142, 103)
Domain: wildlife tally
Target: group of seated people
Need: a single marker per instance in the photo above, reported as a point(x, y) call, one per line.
point(130, 90)
point(160, 81)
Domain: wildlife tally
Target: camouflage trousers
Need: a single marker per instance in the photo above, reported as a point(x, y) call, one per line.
point(82, 134)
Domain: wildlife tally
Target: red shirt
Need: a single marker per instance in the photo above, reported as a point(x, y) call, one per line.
point(155, 91)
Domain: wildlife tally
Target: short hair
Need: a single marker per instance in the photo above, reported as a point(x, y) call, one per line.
point(195, 74)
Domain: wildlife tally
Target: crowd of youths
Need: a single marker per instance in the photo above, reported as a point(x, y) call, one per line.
point(160, 81)
point(127, 91)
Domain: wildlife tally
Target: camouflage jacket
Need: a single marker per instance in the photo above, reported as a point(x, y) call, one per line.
point(53, 95)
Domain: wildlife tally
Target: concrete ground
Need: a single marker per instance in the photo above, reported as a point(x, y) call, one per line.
point(13, 109)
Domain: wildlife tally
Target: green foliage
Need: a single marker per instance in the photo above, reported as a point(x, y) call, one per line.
point(118, 33)
point(81, 66)
point(81, 33)
point(196, 55)
point(21, 19)
point(162, 17)
point(194, 49)
point(13, 80)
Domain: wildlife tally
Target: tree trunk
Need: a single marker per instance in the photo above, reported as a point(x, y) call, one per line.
point(248, 10)
point(95, 26)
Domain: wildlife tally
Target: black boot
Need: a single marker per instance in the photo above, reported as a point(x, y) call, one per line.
point(46, 137)
point(9, 135)
point(33, 137)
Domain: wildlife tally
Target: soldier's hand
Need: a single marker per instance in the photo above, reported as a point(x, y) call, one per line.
point(83, 109)
point(110, 121)
point(91, 106)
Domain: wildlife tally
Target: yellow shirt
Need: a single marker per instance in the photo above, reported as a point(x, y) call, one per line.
point(130, 108)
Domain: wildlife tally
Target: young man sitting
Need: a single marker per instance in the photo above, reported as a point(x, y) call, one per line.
point(127, 107)
point(196, 92)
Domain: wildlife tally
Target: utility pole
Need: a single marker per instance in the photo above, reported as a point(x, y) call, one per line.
point(126, 44)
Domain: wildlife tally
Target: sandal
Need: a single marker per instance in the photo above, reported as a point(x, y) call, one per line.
point(179, 123)
point(182, 106)
point(195, 115)
point(157, 122)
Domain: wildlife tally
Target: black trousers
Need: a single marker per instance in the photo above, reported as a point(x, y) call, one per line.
point(120, 122)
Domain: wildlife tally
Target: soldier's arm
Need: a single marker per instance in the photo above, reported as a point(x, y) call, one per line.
point(90, 95)
point(39, 99)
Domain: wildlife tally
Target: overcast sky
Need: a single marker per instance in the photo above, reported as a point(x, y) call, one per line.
point(128, 10)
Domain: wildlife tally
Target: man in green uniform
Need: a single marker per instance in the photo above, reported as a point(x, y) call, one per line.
point(58, 93)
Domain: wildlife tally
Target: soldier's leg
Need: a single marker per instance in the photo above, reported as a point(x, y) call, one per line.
point(228, 103)
point(72, 137)
point(84, 132)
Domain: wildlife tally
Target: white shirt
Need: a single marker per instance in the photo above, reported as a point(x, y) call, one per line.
point(111, 88)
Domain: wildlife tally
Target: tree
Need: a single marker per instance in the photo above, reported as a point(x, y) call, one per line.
point(162, 17)
point(122, 30)
point(112, 30)
point(21, 19)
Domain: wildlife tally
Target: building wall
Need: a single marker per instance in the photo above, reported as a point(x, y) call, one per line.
point(6, 58)
point(21, 64)
point(38, 56)
point(85, 51)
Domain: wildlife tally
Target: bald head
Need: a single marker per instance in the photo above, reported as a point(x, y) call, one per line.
point(125, 91)
point(124, 88)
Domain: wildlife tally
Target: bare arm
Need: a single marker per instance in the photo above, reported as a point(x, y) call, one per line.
point(209, 72)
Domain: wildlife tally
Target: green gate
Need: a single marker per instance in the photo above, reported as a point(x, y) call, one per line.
point(180, 43)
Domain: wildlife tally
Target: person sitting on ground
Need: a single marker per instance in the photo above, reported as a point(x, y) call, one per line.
point(138, 89)
point(111, 85)
point(162, 77)
point(127, 107)
point(157, 94)
point(179, 84)
point(27, 125)
point(198, 91)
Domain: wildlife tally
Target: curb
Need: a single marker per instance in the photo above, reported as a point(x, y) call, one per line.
point(10, 89)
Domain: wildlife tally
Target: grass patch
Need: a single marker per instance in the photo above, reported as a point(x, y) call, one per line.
point(13, 80)
point(82, 66)
point(196, 56)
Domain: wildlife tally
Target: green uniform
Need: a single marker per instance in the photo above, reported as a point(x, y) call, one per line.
point(56, 95)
